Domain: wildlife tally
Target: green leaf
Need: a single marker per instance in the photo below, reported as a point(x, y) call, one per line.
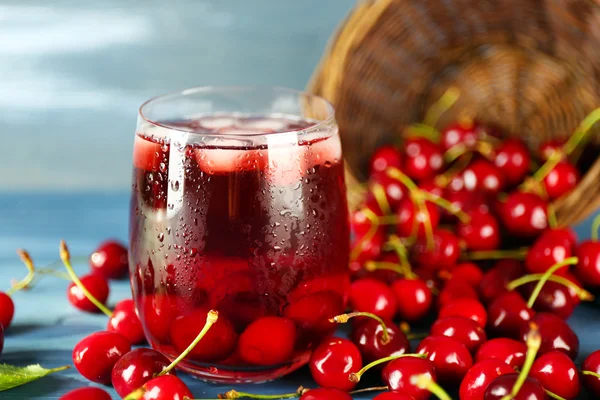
point(11, 376)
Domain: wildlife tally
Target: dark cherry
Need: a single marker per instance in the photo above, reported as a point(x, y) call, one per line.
point(325, 394)
point(96, 285)
point(413, 297)
point(494, 281)
point(467, 272)
point(383, 158)
point(269, 340)
point(553, 246)
point(509, 351)
point(422, 158)
point(109, 260)
point(373, 296)
point(465, 201)
point(443, 254)
point(524, 214)
point(166, 387)
point(408, 211)
point(563, 178)
point(86, 393)
point(392, 396)
point(479, 376)
point(464, 133)
point(556, 335)
point(508, 314)
point(451, 358)
point(463, 330)
point(398, 374)
point(513, 159)
point(455, 289)
point(465, 307)
point(547, 148)
point(481, 232)
point(332, 362)
point(136, 368)
point(557, 373)
point(7, 310)
point(125, 321)
point(370, 249)
point(532, 389)
point(588, 267)
point(592, 363)
point(368, 337)
point(483, 176)
point(96, 355)
point(554, 298)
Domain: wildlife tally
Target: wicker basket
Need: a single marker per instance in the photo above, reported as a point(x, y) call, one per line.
point(531, 67)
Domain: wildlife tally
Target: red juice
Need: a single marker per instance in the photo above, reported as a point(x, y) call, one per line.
point(249, 229)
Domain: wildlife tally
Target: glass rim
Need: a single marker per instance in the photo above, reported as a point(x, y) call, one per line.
point(314, 126)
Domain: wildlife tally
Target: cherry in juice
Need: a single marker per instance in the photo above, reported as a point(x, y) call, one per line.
point(250, 231)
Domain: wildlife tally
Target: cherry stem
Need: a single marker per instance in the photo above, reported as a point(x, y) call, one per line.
point(429, 238)
point(582, 294)
point(398, 175)
point(463, 161)
point(554, 395)
point(53, 272)
point(367, 236)
point(582, 130)
point(546, 275)
point(395, 243)
point(66, 259)
point(386, 265)
point(548, 166)
point(437, 109)
point(343, 318)
point(591, 373)
point(379, 193)
point(446, 205)
point(422, 130)
point(595, 227)
point(552, 221)
point(425, 382)
point(25, 282)
point(211, 317)
point(355, 376)
point(534, 341)
point(234, 394)
point(370, 389)
point(517, 254)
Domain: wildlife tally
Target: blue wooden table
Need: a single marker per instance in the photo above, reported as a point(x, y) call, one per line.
point(46, 327)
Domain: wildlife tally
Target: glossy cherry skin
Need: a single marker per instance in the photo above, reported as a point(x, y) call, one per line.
point(269, 340)
point(557, 373)
point(479, 376)
point(413, 297)
point(394, 192)
point(524, 214)
point(554, 298)
point(465, 201)
point(166, 387)
point(483, 176)
point(432, 187)
point(407, 213)
point(398, 374)
point(86, 393)
point(157, 313)
point(325, 394)
point(547, 148)
point(370, 248)
point(392, 396)
point(217, 344)
point(443, 254)
point(126, 322)
point(509, 351)
point(556, 335)
point(508, 314)
point(373, 296)
point(383, 158)
point(109, 260)
point(553, 246)
point(465, 307)
point(494, 281)
point(513, 159)
point(136, 368)
point(96, 355)
point(96, 285)
point(588, 267)
point(7, 310)
point(451, 358)
point(532, 389)
point(592, 363)
point(463, 330)
point(458, 133)
point(455, 289)
point(332, 361)
point(368, 337)
point(467, 272)
point(359, 223)
point(422, 159)
point(481, 232)
point(563, 178)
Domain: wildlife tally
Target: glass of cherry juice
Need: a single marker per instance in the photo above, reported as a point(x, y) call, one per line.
point(238, 205)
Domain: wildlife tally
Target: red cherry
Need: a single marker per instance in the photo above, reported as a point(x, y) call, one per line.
point(136, 368)
point(157, 312)
point(557, 373)
point(444, 254)
point(268, 341)
point(455, 289)
point(547, 148)
point(373, 296)
point(432, 187)
point(166, 387)
point(556, 335)
point(508, 314)
point(311, 314)
point(588, 267)
point(87, 393)
point(467, 272)
point(383, 158)
point(524, 214)
point(451, 359)
point(332, 362)
point(394, 193)
point(553, 297)
point(493, 284)
point(481, 232)
point(592, 363)
point(465, 307)
point(369, 249)
point(458, 133)
point(125, 321)
point(96, 285)
point(325, 394)
point(502, 386)
point(422, 159)
point(95, 355)
point(7, 310)
point(408, 212)
point(563, 178)
point(359, 223)
point(509, 351)
point(392, 396)
point(109, 260)
point(550, 248)
point(483, 176)
point(512, 158)
point(479, 376)
point(466, 201)
point(368, 337)
point(461, 329)
point(398, 376)
point(413, 298)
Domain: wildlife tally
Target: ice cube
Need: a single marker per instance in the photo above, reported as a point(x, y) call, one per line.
point(149, 155)
point(323, 151)
point(264, 125)
point(229, 160)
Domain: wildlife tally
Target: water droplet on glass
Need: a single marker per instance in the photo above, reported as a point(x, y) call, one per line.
point(161, 237)
point(175, 185)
